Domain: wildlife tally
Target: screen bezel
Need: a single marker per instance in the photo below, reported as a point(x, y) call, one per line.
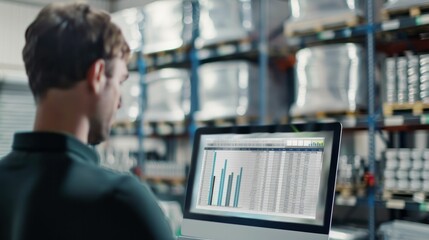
point(336, 129)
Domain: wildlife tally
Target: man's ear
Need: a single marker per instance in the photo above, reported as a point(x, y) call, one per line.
point(95, 76)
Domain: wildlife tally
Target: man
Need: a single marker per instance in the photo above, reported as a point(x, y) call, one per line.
point(50, 184)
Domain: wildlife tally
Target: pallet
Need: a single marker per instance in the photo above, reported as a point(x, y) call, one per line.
point(182, 49)
point(348, 191)
point(166, 57)
point(164, 128)
point(233, 121)
point(223, 44)
point(345, 191)
point(416, 109)
point(327, 115)
point(123, 127)
point(405, 195)
point(411, 11)
point(296, 29)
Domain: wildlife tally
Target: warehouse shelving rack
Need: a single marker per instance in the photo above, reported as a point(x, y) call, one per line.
point(370, 33)
point(191, 56)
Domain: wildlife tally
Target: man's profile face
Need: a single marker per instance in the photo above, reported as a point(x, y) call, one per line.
point(108, 102)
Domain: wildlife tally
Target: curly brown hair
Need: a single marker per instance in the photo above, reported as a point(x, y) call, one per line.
point(64, 41)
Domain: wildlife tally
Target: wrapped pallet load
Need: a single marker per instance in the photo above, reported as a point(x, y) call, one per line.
point(167, 25)
point(232, 20)
point(330, 79)
point(230, 89)
point(310, 15)
point(129, 21)
point(396, 5)
point(168, 95)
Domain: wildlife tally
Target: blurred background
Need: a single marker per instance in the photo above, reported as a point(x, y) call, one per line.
point(237, 62)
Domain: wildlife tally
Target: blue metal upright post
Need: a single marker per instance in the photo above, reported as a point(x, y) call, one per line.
point(263, 61)
point(142, 102)
point(194, 68)
point(370, 40)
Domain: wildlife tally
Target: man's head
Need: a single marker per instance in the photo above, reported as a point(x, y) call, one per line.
point(72, 44)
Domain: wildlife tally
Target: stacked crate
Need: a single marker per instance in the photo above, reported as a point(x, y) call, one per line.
point(406, 87)
point(406, 172)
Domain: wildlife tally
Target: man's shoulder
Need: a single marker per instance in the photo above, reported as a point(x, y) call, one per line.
point(95, 180)
point(130, 189)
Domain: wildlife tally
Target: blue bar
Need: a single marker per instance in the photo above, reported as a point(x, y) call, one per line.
point(211, 180)
point(236, 191)
point(239, 186)
point(219, 198)
point(228, 191)
point(212, 186)
point(222, 183)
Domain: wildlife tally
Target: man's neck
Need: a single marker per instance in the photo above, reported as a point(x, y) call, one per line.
point(61, 112)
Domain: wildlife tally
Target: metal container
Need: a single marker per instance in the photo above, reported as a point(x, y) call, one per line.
point(330, 79)
point(416, 185)
point(391, 95)
point(426, 185)
point(167, 25)
point(425, 174)
point(404, 154)
point(392, 163)
point(402, 75)
point(404, 164)
point(415, 175)
point(403, 184)
point(229, 20)
point(417, 164)
point(345, 172)
point(168, 95)
point(413, 74)
point(424, 78)
point(390, 184)
point(416, 154)
point(389, 174)
point(391, 153)
point(230, 88)
point(401, 174)
point(426, 154)
point(350, 170)
point(426, 164)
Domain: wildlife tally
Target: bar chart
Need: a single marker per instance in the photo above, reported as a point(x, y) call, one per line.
point(262, 178)
point(225, 194)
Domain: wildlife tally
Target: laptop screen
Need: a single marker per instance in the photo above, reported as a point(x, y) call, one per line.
point(265, 176)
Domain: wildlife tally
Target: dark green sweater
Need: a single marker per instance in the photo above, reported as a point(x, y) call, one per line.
point(51, 187)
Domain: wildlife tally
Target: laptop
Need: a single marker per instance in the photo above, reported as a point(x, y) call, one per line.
point(262, 182)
